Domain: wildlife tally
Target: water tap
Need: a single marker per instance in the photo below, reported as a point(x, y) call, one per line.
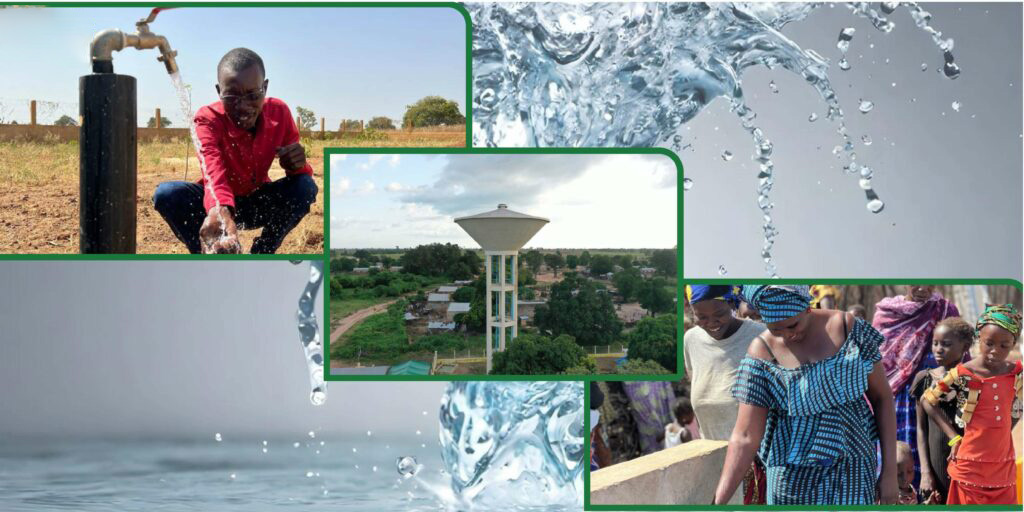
point(109, 41)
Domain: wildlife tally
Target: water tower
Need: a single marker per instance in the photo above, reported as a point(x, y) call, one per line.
point(501, 233)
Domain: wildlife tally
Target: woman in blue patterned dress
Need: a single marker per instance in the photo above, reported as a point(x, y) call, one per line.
point(804, 391)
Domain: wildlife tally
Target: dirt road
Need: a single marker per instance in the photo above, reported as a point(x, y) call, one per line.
point(351, 320)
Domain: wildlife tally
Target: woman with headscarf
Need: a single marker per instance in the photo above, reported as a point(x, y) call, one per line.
point(712, 352)
point(907, 322)
point(802, 389)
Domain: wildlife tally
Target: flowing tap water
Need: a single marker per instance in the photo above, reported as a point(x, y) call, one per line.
point(186, 108)
point(617, 74)
point(513, 444)
point(309, 334)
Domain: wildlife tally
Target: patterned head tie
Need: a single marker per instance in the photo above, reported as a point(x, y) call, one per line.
point(1003, 315)
point(724, 292)
point(777, 302)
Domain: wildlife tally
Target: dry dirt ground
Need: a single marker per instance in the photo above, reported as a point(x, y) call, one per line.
point(39, 200)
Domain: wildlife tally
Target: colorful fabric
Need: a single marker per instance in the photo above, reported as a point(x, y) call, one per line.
point(907, 327)
point(777, 302)
point(1003, 315)
point(701, 292)
point(755, 484)
point(906, 416)
point(820, 436)
point(651, 405)
point(820, 291)
point(983, 470)
point(938, 442)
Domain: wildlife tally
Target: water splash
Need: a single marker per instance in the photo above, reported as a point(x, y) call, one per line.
point(186, 108)
point(514, 444)
point(309, 334)
point(604, 74)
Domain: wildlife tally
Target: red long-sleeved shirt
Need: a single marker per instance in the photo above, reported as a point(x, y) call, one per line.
point(237, 162)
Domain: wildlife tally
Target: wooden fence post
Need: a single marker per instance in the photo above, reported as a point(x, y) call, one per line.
point(32, 108)
point(321, 128)
point(360, 125)
point(298, 124)
point(158, 123)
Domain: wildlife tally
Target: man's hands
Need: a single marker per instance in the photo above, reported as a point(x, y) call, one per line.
point(292, 157)
point(219, 235)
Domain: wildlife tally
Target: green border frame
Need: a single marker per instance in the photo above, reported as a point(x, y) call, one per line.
point(457, 7)
point(515, 151)
point(586, 416)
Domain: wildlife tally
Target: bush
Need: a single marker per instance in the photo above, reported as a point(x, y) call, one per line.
point(654, 339)
point(433, 111)
point(642, 367)
point(531, 354)
point(578, 310)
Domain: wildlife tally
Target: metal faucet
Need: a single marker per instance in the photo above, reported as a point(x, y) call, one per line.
point(109, 41)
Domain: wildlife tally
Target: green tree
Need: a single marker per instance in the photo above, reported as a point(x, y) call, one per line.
point(628, 282)
point(655, 339)
point(66, 120)
point(665, 261)
point(642, 367)
point(585, 258)
point(307, 119)
point(526, 277)
point(464, 294)
point(533, 354)
point(350, 125)
point(534, 259)
point(433, 111)
point(624, 260)
point(655, 297)
point(381, 123)
point(164, 122)
point(589, 367)
point(361, 254)
point(572, 261)
point(576, 308)
point(554, 261)
point(342, 264)
point(601, 264)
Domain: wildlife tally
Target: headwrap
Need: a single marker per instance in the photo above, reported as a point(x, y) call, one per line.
point(820, 291)
point(907, 327)
point(1003, 315)
point(777, 302)
point(725, 292)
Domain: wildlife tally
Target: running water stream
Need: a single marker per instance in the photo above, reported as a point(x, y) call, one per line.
point(611, 74)
point(309, 332)
point(186, 108)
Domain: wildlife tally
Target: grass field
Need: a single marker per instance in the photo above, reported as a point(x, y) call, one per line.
point(39, 192)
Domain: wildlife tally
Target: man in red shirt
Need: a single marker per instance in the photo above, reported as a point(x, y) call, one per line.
point(240, 136)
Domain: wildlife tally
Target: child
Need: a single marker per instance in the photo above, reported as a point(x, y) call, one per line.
point(905, 473)
point(951, 340)
point(241, 135)
point(600, 456)
point(858, 311)
point(684, 428)
point(986, 390)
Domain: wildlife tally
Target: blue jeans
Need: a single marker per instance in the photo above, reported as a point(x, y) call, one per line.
point(277, 207)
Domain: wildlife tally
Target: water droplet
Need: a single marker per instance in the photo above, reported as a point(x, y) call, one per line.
point(312, 435)
point(722, 270)
point(844, 64)
point(295, 444)
point(264, 449)
point(924, 66)
point(217, 437)
point(866, 140)
point(317, 396)
point(354, 450)
point(407, 466)
point(321, 443)
point(845, 35)
point(232, 476)
point(773, 87)
point(424, 413)
point(956, 106)
point(813, 117)
point(309, 474)
point(369, 433)
point(374, 469)
point(727, 155)
point(418, 432)
point(894, 84)
point(687, 184)
point(865, 106)
point(875, 205)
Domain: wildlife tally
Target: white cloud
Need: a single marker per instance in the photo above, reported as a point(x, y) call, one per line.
point(393, 161)
point(343, 185)
point(394, 187)
point(336, 161)
point(366, 188)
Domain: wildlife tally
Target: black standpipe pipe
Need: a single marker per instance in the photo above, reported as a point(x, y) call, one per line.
point(108, 162)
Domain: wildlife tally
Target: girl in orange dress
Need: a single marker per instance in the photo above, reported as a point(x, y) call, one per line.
point(987, 393)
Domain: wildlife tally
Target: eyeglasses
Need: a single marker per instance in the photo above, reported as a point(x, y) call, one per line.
point(251, 97)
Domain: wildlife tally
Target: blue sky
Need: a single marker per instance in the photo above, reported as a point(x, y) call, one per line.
point(340, 62)
point(593, 201)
